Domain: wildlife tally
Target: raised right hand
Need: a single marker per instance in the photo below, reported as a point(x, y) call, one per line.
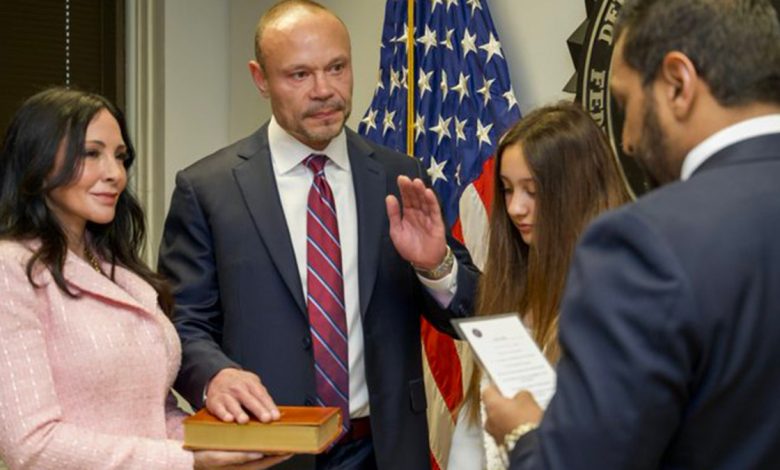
point(232, 391)
point(225, 460)
point(417, 229)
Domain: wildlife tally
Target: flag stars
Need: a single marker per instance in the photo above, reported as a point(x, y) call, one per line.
point(460, 134)
point(370, 120)
point(492, 47)
point(462, 87)
point(483, 133)
point(475, 5)
point(468, 43)
point(428, 39)
point(424, 82)
point(402, 38)
point(388, 122)
point(419, 126)
point(509, 96)
point(395, 80)
point(485, 90)
point(448, 40)
point(436, 171)
point(442, 128)
point(454, 50)
point(445, 89)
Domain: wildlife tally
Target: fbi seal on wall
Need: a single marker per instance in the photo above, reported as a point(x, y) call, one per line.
point(591, 49)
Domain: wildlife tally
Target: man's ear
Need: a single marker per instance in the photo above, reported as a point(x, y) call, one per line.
point(680, 83)
point(258, 76)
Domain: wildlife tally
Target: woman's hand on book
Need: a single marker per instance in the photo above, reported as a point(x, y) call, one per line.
point(233, 392)
point(225, 460)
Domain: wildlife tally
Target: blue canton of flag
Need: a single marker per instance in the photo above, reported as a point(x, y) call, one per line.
point(463, 97)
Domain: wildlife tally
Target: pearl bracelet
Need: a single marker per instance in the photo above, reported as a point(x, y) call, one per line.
point(511, 439)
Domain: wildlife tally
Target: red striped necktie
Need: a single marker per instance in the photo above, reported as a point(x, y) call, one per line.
point(325, 287)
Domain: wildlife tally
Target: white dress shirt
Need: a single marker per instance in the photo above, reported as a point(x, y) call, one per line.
point(747, 129)
point(293, 180)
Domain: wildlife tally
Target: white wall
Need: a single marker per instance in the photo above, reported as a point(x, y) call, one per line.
point(247, 108)
point(533, 34)
point(210, 99)
point(196, 83)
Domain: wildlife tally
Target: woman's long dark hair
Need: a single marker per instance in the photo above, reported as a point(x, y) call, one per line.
point(52, 118)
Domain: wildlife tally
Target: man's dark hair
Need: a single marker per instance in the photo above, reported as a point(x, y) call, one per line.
point(734, 44)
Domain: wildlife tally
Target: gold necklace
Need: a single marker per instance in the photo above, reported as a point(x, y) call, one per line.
point(92, 259)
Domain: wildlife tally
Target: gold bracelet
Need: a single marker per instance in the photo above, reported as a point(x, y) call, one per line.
point(514, 435)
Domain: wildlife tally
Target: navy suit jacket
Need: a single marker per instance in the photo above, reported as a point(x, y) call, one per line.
point(670, 328)
point(240, 303)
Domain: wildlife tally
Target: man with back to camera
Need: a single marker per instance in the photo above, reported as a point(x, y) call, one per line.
point(672, 304)
point(292, 284)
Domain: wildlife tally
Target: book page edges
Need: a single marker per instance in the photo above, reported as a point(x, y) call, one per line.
point(277, 437)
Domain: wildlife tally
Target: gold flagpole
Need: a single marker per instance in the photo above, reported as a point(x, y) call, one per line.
point(410, 80)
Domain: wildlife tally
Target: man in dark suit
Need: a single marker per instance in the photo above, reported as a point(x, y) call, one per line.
point(672, 308)
point(238, 247)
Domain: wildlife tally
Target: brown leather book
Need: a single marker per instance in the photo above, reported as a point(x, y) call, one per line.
point(300, 430)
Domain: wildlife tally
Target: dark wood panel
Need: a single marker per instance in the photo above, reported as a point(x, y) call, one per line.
point(39, 49)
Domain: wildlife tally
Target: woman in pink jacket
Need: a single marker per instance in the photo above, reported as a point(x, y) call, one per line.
point(87, 354)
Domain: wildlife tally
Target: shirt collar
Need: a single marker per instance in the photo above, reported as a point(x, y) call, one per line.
point(287, 152)
point(747, 129)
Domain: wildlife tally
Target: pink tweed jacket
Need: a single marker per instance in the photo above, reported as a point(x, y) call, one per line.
point(85, 382)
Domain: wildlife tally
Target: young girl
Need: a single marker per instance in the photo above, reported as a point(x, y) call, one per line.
point(554, 173)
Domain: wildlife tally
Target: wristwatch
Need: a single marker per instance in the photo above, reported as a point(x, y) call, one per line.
point(444, 268)
point(511, 439)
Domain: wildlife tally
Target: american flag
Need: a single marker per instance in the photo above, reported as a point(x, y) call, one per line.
point(462, 103)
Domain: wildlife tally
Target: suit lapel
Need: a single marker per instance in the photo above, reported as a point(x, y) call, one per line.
point(138, 289)
point(255, 179)
point(125, 291)
point(370, 183)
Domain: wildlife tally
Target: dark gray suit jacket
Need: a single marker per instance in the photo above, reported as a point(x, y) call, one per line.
point(671, 328)
point(227, 251)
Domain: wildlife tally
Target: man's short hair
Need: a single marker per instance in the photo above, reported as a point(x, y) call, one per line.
point(734, 44)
